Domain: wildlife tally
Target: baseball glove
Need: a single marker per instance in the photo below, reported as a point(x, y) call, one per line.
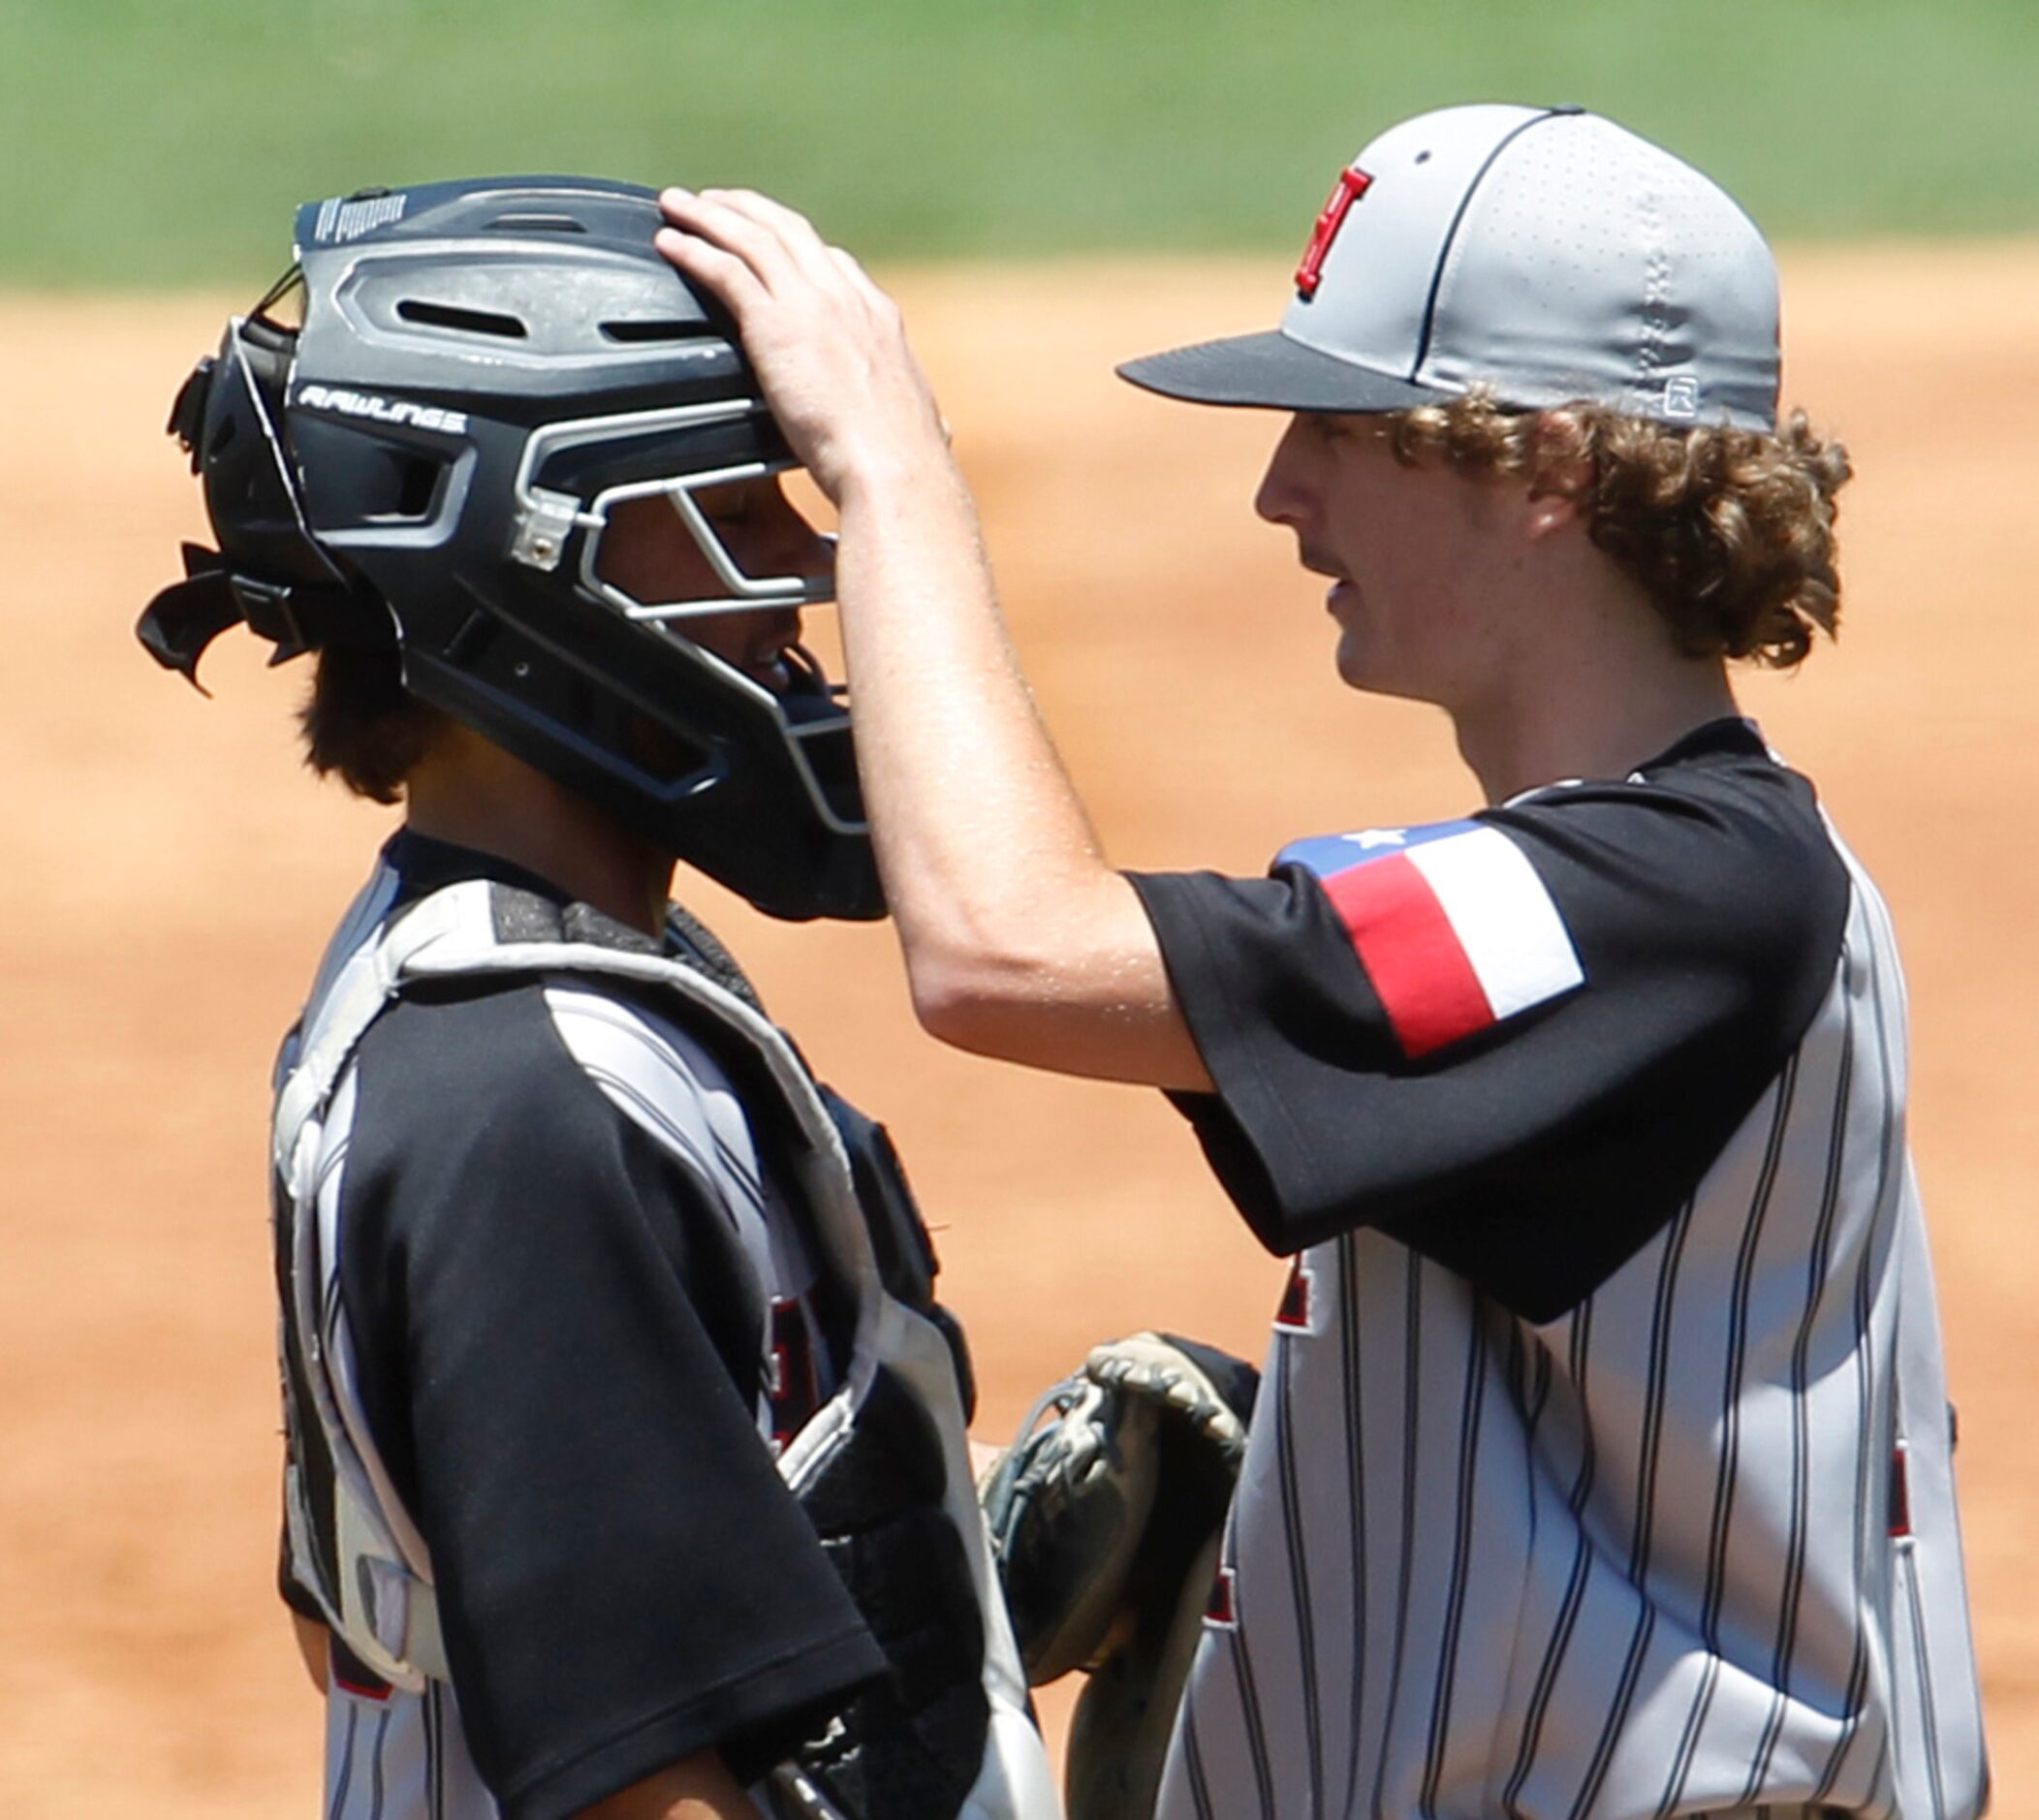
point(1106, 1516)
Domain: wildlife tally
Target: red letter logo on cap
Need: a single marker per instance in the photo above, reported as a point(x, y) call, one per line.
point(1351, 185)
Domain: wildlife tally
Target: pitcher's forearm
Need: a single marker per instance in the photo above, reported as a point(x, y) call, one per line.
point(984, 844)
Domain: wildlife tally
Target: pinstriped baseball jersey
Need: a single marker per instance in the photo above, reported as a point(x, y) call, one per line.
point(1590, 1482)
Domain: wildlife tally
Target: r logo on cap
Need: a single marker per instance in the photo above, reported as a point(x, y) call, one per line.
point(1682, 397)
point(1352, 185)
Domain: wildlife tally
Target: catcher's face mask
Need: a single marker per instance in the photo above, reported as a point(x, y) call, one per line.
point(505, 439)
point(670, 557)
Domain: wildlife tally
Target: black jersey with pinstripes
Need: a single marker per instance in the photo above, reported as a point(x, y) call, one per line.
point(1603, 1467)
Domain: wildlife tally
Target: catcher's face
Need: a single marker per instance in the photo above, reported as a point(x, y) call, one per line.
point(1408, 552)
point(648, 552)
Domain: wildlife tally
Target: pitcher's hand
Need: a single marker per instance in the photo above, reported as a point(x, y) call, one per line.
point(827, 345)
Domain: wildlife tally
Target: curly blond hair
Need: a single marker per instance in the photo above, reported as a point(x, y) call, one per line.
point(1731, 531)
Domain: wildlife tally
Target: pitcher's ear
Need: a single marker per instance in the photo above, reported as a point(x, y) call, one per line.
point(1559, 466)
point(1549, 514)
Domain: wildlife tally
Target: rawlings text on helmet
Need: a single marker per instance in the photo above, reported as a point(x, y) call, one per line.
point(382, 410)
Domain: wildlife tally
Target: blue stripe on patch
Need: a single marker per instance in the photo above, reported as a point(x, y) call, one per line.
point(1329, 855)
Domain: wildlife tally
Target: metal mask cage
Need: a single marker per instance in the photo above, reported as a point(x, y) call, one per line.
point(816, 713)
point(544, 518)
point(747, 592)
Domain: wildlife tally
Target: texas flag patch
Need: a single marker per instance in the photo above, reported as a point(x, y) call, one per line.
point(1450, 921)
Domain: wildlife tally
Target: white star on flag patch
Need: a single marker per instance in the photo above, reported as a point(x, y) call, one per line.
point(1450, 921)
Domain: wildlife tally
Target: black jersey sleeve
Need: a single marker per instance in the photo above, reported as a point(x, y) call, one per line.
point(558, 1352)
point(1527, 1094)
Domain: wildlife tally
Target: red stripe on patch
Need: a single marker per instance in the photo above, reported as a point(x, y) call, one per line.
point(1411, 952)
point(1221, 1608)
point(1294, 1313)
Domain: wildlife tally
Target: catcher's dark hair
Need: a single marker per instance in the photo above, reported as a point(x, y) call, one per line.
point(361, 725)
point(1730, 530)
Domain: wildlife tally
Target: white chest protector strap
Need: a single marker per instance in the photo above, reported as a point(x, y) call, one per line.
point(377, 1586)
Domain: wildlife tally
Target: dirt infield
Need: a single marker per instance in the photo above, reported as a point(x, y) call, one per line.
point(171, 873)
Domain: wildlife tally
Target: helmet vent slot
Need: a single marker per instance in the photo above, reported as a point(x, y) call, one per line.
point(414, 309)
point(654, 330)
point(417, 486)
point(537, 224)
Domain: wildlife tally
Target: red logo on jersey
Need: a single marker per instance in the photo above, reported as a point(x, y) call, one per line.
point(1352, 185)
point(1293, 1314)
point(794, 1388)
point(1222, 1607)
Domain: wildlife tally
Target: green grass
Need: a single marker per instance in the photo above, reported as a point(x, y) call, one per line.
point(151, 142)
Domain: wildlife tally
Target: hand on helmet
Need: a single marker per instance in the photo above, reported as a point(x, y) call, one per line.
point(827, 345)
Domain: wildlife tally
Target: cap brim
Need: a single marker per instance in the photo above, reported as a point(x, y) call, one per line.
point(1276, 373)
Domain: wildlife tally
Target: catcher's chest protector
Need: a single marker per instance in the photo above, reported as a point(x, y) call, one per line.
point(882, 1467)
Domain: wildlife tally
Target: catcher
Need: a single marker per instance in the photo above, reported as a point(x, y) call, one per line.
point(1602, 1463)
point(626, 1469)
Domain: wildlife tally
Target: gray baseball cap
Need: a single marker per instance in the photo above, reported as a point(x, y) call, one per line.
point(1544, 252)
